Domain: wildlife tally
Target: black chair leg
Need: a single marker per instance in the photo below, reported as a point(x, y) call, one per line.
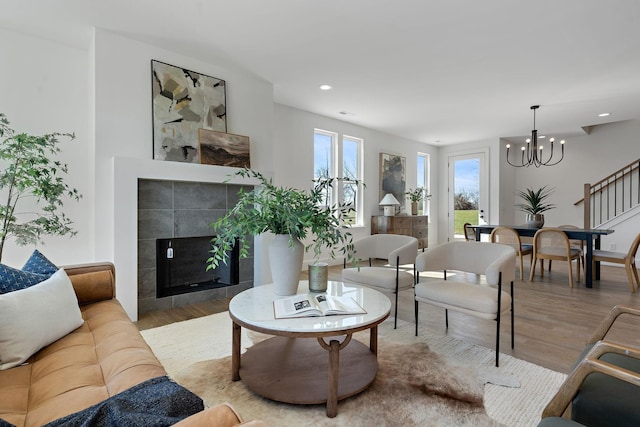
point(512, 319)
point(416, 313)
point(446, 318)
point(498, 340)
point(395, 321)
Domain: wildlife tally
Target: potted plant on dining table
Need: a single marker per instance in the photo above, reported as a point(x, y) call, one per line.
point(292, 215)
point(535, 203)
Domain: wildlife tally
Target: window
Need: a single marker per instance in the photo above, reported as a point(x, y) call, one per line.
point(423, 181)
point(340, 158)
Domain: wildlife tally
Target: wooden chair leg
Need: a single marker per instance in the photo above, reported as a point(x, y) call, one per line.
point(635, 273)
point(521, 268)
point(533, 269)
point(628, 268)
point(570, 273)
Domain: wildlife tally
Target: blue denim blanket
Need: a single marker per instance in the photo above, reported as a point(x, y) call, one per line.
point(157, 402)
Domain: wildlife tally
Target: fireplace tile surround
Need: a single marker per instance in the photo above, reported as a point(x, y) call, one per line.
point(168, 209)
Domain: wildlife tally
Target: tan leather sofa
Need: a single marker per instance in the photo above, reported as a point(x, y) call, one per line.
point(105, 356)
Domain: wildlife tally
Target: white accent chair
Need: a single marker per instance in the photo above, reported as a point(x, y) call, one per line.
point(397, 250)
point(494, 261)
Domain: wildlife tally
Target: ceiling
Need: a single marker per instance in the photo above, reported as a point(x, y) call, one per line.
point(440, 72)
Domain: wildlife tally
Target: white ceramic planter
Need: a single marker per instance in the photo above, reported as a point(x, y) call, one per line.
point(286, 264)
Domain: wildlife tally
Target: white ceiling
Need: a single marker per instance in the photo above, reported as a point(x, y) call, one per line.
point(440, 72)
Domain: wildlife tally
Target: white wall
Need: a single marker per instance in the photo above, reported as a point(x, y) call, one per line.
point(124, 147)
point(293, 161)
point(43, 89)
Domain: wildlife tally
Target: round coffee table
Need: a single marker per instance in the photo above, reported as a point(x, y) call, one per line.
point(292, 368)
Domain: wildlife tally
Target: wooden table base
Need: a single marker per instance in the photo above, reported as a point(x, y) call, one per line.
point(300, 371)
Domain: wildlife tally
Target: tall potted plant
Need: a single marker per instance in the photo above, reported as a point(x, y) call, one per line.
point(29, 170)
point(292, 215)
point(535, 203)
point(416, 195)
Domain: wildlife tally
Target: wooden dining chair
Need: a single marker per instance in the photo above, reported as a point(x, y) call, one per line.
point(553, 244)
point(626, 258)
point(575, 243)
point(509, 236)
point(469, 232)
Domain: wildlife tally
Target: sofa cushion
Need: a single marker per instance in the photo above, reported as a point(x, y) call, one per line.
point(479, 300)
point(33, 318)
point(12, 279)
point(380, 278)
point(38, 263)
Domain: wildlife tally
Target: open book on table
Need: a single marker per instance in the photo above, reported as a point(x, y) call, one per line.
point(308, 305)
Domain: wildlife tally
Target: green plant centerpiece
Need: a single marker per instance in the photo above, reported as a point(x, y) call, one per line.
point(30, 171)
point(416, 195)
point(534, 204)
point(292, 215)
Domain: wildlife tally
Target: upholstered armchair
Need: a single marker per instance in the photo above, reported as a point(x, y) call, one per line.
point(602, 389)
point(397, 250)
point(493, 265)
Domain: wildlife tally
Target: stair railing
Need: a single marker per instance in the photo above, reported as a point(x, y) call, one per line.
point(611, 196)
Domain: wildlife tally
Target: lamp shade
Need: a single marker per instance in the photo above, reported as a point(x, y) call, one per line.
point(389, 202)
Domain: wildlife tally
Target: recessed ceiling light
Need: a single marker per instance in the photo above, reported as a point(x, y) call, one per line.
point(604, 114)
point(326, 87)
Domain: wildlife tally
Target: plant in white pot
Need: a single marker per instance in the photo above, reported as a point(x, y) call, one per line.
point(417, 195)
point(535, 203)
point(292, 215)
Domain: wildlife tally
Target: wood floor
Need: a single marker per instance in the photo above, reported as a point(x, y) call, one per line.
point(552, 321)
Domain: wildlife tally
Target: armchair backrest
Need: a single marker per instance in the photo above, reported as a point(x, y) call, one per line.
point(489, 259)
point(387, 246)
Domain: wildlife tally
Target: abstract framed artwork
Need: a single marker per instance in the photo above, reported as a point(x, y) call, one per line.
point(184, 101)
point(393, 176)
point(223, 149)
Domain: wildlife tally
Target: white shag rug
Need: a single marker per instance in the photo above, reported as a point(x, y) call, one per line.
point(514, 394)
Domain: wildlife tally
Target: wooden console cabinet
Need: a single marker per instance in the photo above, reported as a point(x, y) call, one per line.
point(408, 225)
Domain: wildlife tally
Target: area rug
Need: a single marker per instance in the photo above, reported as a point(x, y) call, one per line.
point(431, 379)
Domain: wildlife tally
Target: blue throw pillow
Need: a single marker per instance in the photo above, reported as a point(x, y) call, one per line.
point(12, 279)
point(38, 263)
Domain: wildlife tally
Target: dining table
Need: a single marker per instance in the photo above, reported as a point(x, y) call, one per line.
point(591, 237)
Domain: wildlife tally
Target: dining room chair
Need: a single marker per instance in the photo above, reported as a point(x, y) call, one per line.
point(575, 243)
point(627, 258)
point(553, 244)
point(509, 236)
point(398, 250)
point(469, 232)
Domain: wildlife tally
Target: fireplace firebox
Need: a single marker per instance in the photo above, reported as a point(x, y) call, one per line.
point(181, 266)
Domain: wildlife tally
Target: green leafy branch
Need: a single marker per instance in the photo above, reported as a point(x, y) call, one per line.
point(30, 171)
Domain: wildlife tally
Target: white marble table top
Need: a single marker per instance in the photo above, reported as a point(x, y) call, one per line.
point(254, 307)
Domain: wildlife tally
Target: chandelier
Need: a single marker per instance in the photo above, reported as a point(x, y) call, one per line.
point(532, 153)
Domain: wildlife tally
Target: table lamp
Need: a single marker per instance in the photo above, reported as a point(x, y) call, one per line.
point(389, 204)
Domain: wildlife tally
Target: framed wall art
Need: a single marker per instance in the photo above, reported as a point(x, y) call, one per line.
point(393, 176)
point(223, 149)
point(184, 101)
